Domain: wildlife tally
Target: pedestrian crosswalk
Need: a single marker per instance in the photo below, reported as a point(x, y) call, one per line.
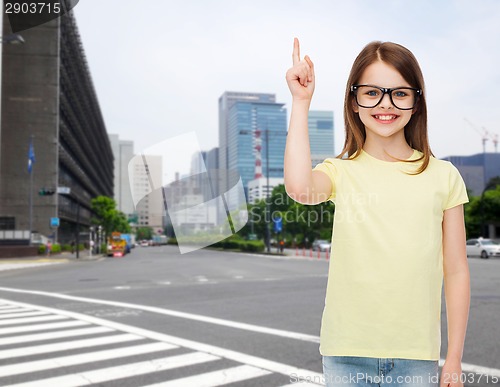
point(40, 347)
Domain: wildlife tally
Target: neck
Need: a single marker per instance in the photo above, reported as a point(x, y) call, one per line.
point(384, 147)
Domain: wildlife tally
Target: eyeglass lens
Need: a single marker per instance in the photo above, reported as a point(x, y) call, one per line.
point(369, 96)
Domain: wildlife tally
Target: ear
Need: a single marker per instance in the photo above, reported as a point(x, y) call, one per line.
point(355, 106)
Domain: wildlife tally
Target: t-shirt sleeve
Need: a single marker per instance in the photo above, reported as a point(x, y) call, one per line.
point(457, 192)
point(328, 167)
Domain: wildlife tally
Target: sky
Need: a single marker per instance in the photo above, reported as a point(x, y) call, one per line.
point(159, 66)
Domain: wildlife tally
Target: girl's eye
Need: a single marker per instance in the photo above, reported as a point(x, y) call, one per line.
point(399, 94)
point(373, 93)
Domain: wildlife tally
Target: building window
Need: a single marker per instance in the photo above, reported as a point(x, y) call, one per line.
point(7, 223)
point(324, 124)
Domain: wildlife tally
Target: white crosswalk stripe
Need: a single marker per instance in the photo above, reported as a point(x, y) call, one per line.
point(41, 327)
point(134, 369)
point(11, 309)
point(216, 378)
point(65, 361)
point(53, 335)
point(35, 347)
point(21, 314)
point(26, 320)
point(67, 345)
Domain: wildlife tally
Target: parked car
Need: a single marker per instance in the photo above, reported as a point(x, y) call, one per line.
point(321, 245)
point(482, 247)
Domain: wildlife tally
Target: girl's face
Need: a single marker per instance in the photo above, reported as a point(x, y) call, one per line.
point(384, 120)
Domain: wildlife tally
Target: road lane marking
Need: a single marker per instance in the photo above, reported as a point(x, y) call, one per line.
point(29, 320)
point(88, 357)
point(67, 345)
point(119, 372)
point(216, 378)
point(239, 357)
point(54, 335)
point(40, 327)
point(20, 314)
point(8, 309)
point(169, 312)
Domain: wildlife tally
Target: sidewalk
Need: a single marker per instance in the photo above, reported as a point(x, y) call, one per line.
point(60, 257)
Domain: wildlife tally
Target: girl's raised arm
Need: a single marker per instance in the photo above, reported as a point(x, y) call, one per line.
point(301, 183)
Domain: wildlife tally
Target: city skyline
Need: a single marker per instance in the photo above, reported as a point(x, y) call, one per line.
point(161, 79)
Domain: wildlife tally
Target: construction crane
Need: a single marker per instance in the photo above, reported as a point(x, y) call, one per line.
point(485, 135)
point(494, 139)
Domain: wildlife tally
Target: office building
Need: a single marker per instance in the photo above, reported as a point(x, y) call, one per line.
point(48, 97)
point(149, 205)
point(258, 189)
point(321, 130)
point(243, 117)
point(123, 152)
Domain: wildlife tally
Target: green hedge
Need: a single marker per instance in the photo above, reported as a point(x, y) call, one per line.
point(233, 243)
point(172, 241)
point(56, 248)
point(254, 246)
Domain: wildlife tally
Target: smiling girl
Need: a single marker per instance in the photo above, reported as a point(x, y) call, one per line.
point(381, 320)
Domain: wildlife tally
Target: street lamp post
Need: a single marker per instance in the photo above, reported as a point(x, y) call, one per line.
point(268, 195)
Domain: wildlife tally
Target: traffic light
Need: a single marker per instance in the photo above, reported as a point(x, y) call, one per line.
point(46, 191)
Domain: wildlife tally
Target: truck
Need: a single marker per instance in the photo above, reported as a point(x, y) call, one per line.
point(130, 240)
point(117, 246)
point(159, 240)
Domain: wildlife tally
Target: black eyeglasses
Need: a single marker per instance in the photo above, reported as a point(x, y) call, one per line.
point(369, 96)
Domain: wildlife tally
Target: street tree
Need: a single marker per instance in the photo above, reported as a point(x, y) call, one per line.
point(108, 216)
point(144, 233)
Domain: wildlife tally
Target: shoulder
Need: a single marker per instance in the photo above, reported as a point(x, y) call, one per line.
point(442, 166)
point(334, 164)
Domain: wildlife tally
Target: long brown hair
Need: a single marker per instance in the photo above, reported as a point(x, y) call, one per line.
point(407, 65)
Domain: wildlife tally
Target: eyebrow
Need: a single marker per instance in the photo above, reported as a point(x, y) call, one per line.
point(382, 87)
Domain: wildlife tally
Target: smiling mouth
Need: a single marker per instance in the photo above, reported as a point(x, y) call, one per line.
point(385, 117)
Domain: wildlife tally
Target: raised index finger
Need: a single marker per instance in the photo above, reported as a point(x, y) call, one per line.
point(296, 51)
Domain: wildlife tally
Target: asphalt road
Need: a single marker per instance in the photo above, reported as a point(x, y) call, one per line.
point(198, 319)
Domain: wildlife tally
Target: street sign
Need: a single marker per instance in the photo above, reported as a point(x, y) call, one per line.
point(63, 190)
point(278, 224)
point(54, 222)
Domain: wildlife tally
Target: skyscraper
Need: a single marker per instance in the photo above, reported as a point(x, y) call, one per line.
point(241, 117)
point(123, 152)
point(320, 123)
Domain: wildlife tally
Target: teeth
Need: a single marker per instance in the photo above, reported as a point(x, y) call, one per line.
point(385, 118)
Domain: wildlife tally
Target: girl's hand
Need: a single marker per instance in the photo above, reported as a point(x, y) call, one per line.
point(451, 375)
point(300, 77)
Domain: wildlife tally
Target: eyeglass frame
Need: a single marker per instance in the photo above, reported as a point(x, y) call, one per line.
point(384, 90)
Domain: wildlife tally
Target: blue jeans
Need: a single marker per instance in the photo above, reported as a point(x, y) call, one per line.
point(375, 372)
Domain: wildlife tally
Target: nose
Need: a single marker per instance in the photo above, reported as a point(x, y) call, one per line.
point(386, 101)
